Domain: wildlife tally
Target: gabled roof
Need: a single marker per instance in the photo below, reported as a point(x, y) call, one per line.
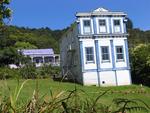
point(101, 12)
point(101, 9)
point(38, 51)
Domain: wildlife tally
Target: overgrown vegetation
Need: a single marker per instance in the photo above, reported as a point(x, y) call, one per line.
point(29, 71)
point(55, 97)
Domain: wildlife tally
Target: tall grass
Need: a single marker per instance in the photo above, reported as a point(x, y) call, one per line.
point(70, 101)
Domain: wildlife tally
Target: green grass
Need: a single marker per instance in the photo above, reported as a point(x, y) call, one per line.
point(47, 85)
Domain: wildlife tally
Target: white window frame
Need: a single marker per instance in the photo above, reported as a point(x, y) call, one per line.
point(117, 26)
point(120, 53)
point(102, 26)
point(84, 27)
point(89, 55)
point(106, 53)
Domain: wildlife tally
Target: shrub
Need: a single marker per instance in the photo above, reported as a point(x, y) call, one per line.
point(6, 73)
point(48, 71)
point(28, 71)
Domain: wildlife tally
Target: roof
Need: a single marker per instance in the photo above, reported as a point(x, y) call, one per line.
point(101, 12)
point(49, 51)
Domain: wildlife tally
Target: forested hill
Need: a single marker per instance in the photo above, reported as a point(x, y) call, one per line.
point(29, 38)
point(137, 36)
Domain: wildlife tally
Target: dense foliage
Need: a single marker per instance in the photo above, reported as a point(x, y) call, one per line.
point(140, 64)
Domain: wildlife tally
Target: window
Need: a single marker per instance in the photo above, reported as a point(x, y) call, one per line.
point(105, 53)
point(89, 54)
point(117, 22)
point(87, 26)
point(119, 53)
point(102, 26)
point(117, 27)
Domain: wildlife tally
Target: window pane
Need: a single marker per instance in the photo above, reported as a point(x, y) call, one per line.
point(120, 56)
point(117, 22)
point(119, 52)
point(89, 54)
point(87, 30)
point(102, 22)
point(87, 23)
point(105, 52)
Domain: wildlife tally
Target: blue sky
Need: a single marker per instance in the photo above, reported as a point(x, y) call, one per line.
point(58, 14)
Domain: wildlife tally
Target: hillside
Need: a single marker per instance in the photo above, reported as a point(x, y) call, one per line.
point(28, 38)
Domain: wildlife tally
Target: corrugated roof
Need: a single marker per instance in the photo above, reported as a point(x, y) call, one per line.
point(49, 51)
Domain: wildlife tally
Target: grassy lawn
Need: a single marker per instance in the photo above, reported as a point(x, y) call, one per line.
point(47, 85)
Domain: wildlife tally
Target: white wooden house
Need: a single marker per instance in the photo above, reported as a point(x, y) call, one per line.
point(42, 56)
point(94, 51)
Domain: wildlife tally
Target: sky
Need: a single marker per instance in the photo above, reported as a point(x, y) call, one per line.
point(59, 14)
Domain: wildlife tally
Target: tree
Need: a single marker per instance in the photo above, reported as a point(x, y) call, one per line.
point(9, 55)
point(5, 12)
point(24, 45)
point(140, 64)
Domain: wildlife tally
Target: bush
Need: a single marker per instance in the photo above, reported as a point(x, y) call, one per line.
point(28, 71)
point(140, 64)
point(7, 73)
point(48, 71)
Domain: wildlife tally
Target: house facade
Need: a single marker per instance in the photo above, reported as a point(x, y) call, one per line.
point(94, 51)
point(42, 56)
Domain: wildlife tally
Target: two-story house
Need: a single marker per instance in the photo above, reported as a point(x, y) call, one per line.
point(94, 51)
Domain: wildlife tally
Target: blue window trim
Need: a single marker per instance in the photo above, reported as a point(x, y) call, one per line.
point(97, 61)
point(79, 28)
point(112, 54)
point(94, 25)
point(110, 28)
point(127, 53)
point(124, 26)
point(97, 54)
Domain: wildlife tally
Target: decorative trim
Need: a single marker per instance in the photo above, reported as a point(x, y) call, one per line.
point(97, 61)
point(127, 58)
point(79, 28)
point(81, 56)
point(127, 53)
point(110, 28)
point(124, 26)
point(112, 54)
point(119, 35)
point(106, 69)
point(94, 26)
point(97, 54)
